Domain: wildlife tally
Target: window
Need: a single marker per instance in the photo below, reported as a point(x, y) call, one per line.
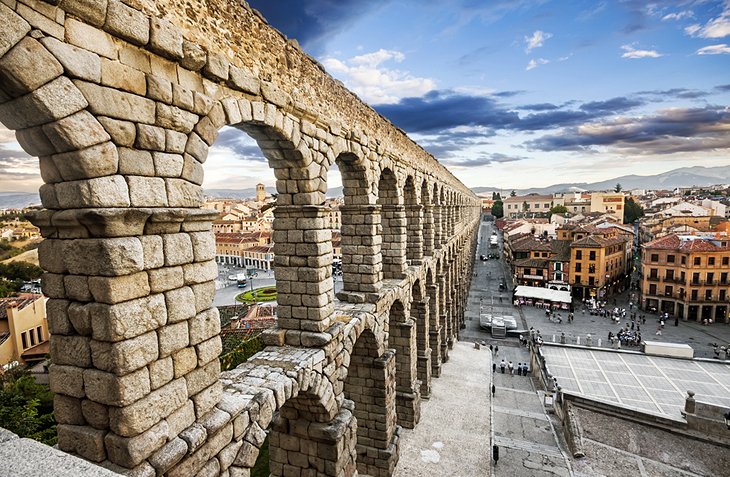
point(591, 268)
point(591, 281)
point(723, 295)
point(710, 261)
point(652, 289)
point(684, 260)
point(695, 278)
point(670, 258)
point(39, 333)
point(559, 267)
point(24, 340)
point(592, 255)
point(653, 273)
point(578, 267)
point(710, 278)
point(654, 257)
point(669, 275)
point(547, 206)
point(578, 254)
point(694, 295)
point(708, 295)
point(577, 279)
point(697, 261)
point(726, 261)
point(668, 291)
point(723, 278)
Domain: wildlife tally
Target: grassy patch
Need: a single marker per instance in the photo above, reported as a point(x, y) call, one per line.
point(257, 295)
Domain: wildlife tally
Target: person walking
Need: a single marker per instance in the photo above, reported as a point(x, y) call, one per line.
point(494, 367)
point(494, 388)
point(491, 348)
point(496, 350)
point(511, 368)
point(502, 365)
point(658, 330)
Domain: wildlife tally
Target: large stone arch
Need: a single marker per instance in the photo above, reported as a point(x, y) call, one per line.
point(420, 315)
point(402, 338)
point(414, 222)
point(120, 101)
point(428, 225)
point(393, 228)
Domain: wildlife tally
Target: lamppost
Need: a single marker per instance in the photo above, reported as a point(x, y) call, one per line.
point(250, 273)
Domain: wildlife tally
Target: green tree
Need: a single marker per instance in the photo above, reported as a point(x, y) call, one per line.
point(498, 209)
point(512, 194)
point(617, 188)
point(26, 408)
point(632, 211)
point(557, 209)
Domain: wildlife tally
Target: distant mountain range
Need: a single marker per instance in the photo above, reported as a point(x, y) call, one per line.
point(18, 200)
point(683, 177)
point(697, 176)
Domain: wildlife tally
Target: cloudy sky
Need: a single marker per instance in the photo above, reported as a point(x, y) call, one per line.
point(510, 93)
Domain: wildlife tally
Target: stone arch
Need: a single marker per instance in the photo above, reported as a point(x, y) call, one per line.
point(402, 338)
point(361, 254)
point(420, 315)
point(436, 212)
point(428, 226)
point(434, 320)
point(370, 385)
point(393, 221)
point(414, 222)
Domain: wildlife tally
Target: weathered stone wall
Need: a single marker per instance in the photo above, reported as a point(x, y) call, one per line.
point(121, 100)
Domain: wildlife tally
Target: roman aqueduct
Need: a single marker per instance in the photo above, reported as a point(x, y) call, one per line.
point(120, 100)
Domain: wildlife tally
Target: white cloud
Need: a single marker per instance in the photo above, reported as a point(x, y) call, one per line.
point(535, 63)
point(536, 40)
point(714, 28)
point(375, 83)
point(678, 15)
point(720, 49)
point(631, 52)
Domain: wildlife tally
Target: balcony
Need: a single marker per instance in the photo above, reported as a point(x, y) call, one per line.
point(653, 278)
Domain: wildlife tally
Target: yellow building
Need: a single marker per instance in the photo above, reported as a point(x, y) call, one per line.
point(608, 203)
point(687, 277)
point(23, 328)
point(598, 262)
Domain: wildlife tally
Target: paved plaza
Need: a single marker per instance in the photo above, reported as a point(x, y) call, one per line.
point(648, 383)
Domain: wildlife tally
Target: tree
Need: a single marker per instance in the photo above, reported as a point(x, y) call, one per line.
point(525, 206)
point(512, 194)
point(632, 211)
point(498, 209)
point(26, 408)
point(557, 209)
point(617, 188)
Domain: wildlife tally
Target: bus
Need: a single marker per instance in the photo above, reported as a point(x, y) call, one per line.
point(241, 280)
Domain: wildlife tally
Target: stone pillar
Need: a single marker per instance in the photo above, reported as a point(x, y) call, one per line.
point(408, 398)
point(393, 248)
point(371, 385)
point(428, 230)
point(419, 311)
point(438, 231)
point(134, 338)
point(443, 318)
point(313, 448)
point(303, 248)
point(362, 265)
point(414, 250)
point(434, 330)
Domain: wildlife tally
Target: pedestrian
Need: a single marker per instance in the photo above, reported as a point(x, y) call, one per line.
point(494, 388)
point(491, 348)
point(658, 330)
point(494, 367)
point(496, 350)
point(502, 365)
point(519, 369)
point(511, 368)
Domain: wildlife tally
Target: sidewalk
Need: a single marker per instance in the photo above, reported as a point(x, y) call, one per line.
point(522, 430)
point(452, 438)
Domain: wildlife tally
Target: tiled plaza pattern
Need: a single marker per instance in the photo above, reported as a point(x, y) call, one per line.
point(121, 101)
point(649, 383)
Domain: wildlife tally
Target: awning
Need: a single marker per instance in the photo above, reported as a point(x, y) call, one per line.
point(546, 294)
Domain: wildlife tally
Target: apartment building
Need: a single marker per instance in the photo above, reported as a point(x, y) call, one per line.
point(23, 329)
point(598, 261)
point(688, 277)
point(520, 205)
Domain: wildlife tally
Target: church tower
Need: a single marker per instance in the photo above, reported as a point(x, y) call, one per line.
point(260, 193)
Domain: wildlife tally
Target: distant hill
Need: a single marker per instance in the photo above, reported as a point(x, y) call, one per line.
point(18, 200)
point(698, 176)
